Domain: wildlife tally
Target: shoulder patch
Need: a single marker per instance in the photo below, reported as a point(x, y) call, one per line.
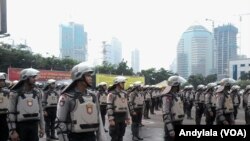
point(62, 100)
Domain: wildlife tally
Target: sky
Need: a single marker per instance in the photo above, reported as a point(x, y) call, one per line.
point(152, 26)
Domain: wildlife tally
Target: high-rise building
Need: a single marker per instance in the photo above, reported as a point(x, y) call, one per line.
point(112, 52)
point(173, 66)
point(73, 42)
point(194, 52)
point(135, 60)
point(226, 48)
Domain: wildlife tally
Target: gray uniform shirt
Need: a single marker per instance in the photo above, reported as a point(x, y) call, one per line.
point(13, 108)
point(220, 107)
point(66, 104)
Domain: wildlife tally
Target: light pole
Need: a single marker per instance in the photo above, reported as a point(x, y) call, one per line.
point(214, 49)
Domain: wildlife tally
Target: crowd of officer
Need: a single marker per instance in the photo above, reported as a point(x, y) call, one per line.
point(76, 112)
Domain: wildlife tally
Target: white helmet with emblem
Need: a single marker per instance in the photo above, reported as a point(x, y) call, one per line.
point(173, 81)
point(119, 79)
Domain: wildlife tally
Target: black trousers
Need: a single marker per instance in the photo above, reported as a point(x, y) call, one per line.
point(228, 119)
point(136, 120)
point(235, 111)
point(27, 130)
point(117, 132)
point(199, 112)
point(146, 109)
point(103, 109)
point(87, 136)
point(4, 130)
point(210, 119)
point(152, 106)
point(50, 122)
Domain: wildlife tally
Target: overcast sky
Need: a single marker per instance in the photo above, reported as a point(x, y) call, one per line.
point(152, 26)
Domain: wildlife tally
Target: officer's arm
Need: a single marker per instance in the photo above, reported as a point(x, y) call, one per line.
point(63, 109)
point(196, 98)
point(110, 106)
point(131, 101)
point(166, 106)
point(41, 123)
point(208, 102)
point(12, 111)
point(248, 104)
point(219, 107)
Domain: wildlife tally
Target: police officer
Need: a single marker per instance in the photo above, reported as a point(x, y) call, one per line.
point(199, 103)
point(25, 108)
point(172, 107)
point(210, 104)
point(117, 108)
point(224, 104)
point(189, 101)
point(102, 96)
point(4, 102)
point(49, 101)
point(153, 99)
point(147, 98)
point(246, 104)
point(136, 99)
point(78, 114)
point(236, 98)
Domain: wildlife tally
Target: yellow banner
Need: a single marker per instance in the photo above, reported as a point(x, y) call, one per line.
point(110, 79)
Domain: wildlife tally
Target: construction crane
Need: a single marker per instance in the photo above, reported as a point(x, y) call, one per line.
point(240, 20)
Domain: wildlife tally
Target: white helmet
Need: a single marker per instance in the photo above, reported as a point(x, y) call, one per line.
point(227, 82)
point(26, 73)
point(79, 70)
point(247, 87)
point(50, 81)
point(102, 84)
point(3, 76)
point(211, 85)
point(200, 87)
point(137, 84)
point(119, 79)
point(173, 81)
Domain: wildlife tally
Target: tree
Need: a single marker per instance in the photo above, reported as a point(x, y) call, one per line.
point(245, 76)
point(123, 69)
point(211, 78)
point(195, 80)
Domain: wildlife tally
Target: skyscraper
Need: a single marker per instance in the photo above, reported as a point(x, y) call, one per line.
point(135, 60)
point(226, 47)
point(112, 52)
point(194, 52)
point(73, 42)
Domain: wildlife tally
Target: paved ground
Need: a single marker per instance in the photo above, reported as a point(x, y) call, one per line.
point(153, 129)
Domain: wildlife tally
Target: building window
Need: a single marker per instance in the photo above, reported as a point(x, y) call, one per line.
point(242, 65)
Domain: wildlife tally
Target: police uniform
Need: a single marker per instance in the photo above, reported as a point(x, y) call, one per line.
point(224, 104)
point(172, 108)
point(199, 104)
point(25, 108)
point(4, 102)
point(246, 104)
point(136, 106)
point(50, 100)
point(78, 113)
point(147, 98)
point(117, 108)
point(236, 99)
point(102, 94)
point(189, 102)
point(210, 104)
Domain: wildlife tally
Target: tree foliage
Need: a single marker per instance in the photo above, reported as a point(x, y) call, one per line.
point(21, 58)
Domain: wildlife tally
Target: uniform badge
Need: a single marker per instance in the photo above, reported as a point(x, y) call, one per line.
point(62, 101)
point(123, 100)
point(89, 108)
point(1, 99)
point(30, 102)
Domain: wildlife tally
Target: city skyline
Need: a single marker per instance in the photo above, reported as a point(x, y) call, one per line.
point(153, 27)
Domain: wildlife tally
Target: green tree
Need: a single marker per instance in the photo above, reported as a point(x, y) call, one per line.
point(211, 78)
point(195, 80)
